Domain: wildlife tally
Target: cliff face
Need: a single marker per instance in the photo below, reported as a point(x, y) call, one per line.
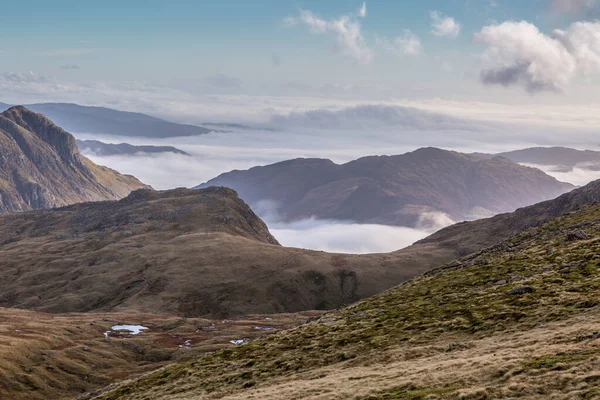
point(41, 167)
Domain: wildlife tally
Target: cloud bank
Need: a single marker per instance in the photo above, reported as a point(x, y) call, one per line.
point(518, 54)
point(345, 237)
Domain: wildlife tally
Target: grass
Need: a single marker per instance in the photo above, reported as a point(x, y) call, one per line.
point(61, 356)
point(416, 323)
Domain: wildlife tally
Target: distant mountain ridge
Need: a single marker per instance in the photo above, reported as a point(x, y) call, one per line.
point(41, 167)
point(99, 148)
point(394, 190)
point(101, 120)
point(564, 158)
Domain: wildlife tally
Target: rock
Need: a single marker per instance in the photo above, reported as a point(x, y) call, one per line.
point(457, 346)
point(501, 282)
point(521, 290)
point(577, 235)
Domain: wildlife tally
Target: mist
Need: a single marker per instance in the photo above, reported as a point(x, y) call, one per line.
point(578, 176)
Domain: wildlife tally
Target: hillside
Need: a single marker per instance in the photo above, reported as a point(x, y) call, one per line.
point(99, 148)
point(101, 120)
point(516, 320)
point(205, 253)
point(60, 356)
point(41, 167)
point(393, 190)
point(184, 252)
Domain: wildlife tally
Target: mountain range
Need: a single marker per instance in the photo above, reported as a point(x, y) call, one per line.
point(219, 296)
point(393, 190)
point(41, 167)
point(100, 120)
point(564, 159)
point(98, 148)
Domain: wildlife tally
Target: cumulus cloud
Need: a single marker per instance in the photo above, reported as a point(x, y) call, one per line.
point(443, 25)
point(347, 30)
point(519, 54)
point(408, 43)
point(572, 6)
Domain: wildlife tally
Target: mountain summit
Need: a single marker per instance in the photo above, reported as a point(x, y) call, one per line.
point(394, 190)
point(41, 167)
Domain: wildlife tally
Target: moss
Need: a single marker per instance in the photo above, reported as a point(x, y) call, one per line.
point(463, 299)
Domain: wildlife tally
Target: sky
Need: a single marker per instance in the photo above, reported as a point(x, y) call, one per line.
point(347, 49)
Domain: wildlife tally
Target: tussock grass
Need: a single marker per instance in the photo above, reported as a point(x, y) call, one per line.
point(459, 331)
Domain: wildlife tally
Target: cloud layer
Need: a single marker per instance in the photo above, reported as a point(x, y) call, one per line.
point(518, 54)
point(345, 237)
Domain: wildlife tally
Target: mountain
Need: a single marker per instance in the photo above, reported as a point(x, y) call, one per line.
point(563, 158)
point(184, 252)
point(100, 120)
point(516, 320)
point(99, 148)
point(205, 253)
point(394, 190)
point(41, 167)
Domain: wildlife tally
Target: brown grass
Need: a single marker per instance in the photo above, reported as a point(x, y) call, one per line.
point(60, 356)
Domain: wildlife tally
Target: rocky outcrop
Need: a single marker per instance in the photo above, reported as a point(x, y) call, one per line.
point(41, 167)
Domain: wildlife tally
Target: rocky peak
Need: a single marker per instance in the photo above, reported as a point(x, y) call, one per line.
point(61, 141)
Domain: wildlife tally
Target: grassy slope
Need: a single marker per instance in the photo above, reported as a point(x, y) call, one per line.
point(59, 356)
point(455, 332)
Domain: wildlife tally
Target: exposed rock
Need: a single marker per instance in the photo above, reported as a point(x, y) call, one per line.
point(577, 235)
point(41, 167)
point(521, 290)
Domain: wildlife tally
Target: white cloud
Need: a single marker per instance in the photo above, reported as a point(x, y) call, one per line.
point(344, 237)
point(519, 54)
point(579, 175)
point(444, 25)
point(408, 43)
point(347, 30)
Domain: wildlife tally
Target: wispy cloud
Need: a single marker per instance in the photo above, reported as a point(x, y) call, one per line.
point(443, 25)
point(408, 43)
point(347, 31)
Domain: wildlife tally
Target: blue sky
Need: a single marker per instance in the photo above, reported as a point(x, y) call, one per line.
point(232, 46)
